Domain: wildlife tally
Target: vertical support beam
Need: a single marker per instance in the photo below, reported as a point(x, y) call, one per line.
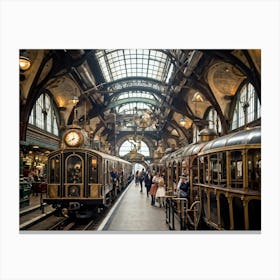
point(228, 168)
point(245, 170)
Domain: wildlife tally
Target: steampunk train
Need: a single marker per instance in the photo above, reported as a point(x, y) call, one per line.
point(80, 180)
point(225, 176)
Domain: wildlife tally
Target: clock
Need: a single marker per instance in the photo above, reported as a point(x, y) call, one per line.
point(73, 138)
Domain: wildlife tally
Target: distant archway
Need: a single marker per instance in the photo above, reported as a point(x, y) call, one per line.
point(127, 146)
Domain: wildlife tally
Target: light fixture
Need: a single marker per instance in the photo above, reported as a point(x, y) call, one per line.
point(144, 119)
point(24, 61)
point(185, 122)
point(74, 100)
point(182, 122)
point(198, 97)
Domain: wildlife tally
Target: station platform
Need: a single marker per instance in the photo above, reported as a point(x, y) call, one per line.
point(35, 211)
point(35, 201)
point(134, 212)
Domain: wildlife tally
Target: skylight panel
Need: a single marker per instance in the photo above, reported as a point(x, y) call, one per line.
point(117, 64)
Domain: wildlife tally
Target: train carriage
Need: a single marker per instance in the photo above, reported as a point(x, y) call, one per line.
point(230, 181)
point(225, 176)
point(79, 180)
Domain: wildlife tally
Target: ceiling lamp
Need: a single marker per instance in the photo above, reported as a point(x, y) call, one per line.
point(74, 100)
point(185, 122)
point(24, 61)
point(144, 120)
point(182, 122)
point(198, 97)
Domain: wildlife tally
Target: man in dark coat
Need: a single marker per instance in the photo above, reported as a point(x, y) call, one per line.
point(148, 181)
point(141, 179)
point(184, 187)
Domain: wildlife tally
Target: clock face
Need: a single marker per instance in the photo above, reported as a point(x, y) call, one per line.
point(73, 138)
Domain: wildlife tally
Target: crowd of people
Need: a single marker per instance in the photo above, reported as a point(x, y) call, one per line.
point(155, 185)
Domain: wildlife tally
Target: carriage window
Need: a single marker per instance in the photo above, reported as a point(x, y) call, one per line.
point(55, 170)
point(74, 169)
point(223, 168)
point(254, 169)
point(205, 170)
point(195, 170)
point(214, 169)
point(200, 170)
point(218, 169)
point(93, 170)
point(236, 169)
point(179, 171)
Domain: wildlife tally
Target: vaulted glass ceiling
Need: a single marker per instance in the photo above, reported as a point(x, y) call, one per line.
point(130, 108)
point(120, 64)
point(132, 102)
point(136, 94)
point(136, 80)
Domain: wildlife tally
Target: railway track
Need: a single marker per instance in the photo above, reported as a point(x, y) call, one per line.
point(35, 220)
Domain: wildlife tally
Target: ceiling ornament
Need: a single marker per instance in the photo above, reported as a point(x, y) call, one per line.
point(144, 119)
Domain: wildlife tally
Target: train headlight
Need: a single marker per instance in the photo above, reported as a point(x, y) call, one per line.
point(64, 212)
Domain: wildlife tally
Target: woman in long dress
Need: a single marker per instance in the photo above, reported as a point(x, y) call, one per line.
point(154, 188)
point(160, 192)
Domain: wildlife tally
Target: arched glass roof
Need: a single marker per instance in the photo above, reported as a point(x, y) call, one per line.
point(137, 82)
point(120, 64)
point(135, 94)
point(130, 108)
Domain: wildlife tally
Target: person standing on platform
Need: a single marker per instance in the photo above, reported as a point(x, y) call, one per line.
point(154, 187)
point(180, 180)
point(141, 179)
point(148, 181)
point(114, 177)
point(137, 178)
point(184, 187)
point(160, 192)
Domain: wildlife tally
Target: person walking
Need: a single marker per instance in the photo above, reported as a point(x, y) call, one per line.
point(148, 181)
point(141, 179)
point(137, 178)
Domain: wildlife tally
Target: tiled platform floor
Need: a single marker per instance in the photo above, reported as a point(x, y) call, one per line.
point(135, 213)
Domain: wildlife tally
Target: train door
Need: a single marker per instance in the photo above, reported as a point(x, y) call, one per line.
point(93, 178)
point(74, 176)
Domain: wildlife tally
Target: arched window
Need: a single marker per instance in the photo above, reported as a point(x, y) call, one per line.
point(214, 121)
point(247, 108)
point(128, 145)
point(43, 114)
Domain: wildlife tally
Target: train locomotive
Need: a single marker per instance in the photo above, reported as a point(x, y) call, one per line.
point(80, 179)
point(225, 176)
